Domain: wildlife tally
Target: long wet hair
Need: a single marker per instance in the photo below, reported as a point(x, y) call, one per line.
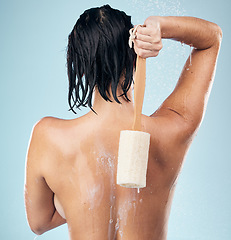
point(98, 54)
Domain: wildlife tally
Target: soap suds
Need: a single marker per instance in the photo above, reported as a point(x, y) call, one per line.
point(106, 164)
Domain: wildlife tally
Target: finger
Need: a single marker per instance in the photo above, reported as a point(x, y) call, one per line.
point(143, 45)
point(148, 46)
point(144, 38)
point(145, 53)
point(145, 31)
point(149, 35)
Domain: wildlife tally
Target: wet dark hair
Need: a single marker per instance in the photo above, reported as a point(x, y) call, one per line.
point(98, 54)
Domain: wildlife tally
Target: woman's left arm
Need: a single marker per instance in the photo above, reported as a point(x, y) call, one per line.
point(41, 213)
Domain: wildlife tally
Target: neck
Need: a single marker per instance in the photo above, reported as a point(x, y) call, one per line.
point(103, 107)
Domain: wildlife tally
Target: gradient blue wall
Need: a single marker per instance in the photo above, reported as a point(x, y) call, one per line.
point(34, 84)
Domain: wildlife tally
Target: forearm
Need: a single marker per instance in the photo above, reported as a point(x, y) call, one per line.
point(195, 32)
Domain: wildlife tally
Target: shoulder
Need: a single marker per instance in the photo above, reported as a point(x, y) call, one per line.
point(41, 130)
point(49, 140)
point(55, 134)
point(49, 127)
point(46, 122)
point(47, 135)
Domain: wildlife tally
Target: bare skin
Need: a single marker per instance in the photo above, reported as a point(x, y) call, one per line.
point(76, 159)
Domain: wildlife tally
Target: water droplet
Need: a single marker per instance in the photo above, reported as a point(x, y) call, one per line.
point(117, 224)
point(141, 200)
point(190, 56)
point(111, 221)
point(187, 69)
point(138, 190)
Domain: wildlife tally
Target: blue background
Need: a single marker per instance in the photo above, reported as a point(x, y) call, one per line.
point(34, 84)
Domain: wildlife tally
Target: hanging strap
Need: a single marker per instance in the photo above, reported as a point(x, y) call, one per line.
point(139, 84)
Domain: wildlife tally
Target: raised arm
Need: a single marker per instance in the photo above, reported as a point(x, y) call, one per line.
point(189, 99)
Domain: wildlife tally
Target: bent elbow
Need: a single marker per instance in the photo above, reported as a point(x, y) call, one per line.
point(218, 33)
point(37, 230)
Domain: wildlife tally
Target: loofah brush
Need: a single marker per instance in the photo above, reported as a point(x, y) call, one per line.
point(134, 144)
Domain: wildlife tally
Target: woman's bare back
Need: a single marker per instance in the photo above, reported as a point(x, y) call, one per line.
point(83, 177)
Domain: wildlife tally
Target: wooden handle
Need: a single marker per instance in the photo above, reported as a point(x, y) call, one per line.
point(139, 88)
